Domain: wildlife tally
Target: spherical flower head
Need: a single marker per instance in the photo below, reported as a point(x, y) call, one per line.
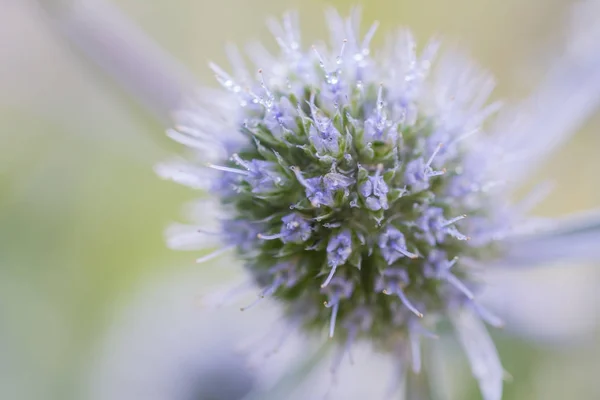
point(348, 167)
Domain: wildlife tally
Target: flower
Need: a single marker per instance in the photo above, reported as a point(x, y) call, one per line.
point(369, 186)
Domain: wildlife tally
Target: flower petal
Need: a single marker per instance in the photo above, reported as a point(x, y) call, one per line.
point(574, 238)
point(190, 237)
point(575, 224)
point(567, 96)
point(572, 293)
point(481, 352)
point(184, 173)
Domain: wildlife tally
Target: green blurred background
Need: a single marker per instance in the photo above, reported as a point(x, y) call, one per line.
point(82, 213)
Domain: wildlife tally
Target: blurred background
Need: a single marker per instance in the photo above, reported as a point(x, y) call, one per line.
point(92, 303)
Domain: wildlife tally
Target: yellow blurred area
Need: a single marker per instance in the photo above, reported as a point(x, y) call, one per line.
point(82, 213)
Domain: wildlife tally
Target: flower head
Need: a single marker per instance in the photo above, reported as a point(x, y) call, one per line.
point(367, 183)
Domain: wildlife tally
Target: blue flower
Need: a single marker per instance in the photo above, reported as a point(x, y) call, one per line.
point(339, 248)
point(262, 176)
point(295, 229)
point(375, 191)
point(418, 173)
point(393, 190)
point(323, 135)
point(392, 245)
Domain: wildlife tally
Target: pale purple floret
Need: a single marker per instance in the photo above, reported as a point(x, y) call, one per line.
point(337, 290)
point(392, 281)
point(339, 248)
point(439, 267)
point(417, 174)
point(375, 191)
point(436, 262)
point(281, 275)
point(393, 245)
point(242, 234)
point(295, 229)
point(280, 117)
point(377, 125)
point(374, 130)
point(318, 192)
point(321, 189)
point(335, 181)
point(324, 136)
point(335, 86)
point(286, 274)
point(435, 227)
point(227, 184)
point(279, 113)
point(443, 153)
point(418, 171)
point(263, 176)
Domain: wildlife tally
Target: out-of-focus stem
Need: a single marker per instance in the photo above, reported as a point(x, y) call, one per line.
point(108, 39)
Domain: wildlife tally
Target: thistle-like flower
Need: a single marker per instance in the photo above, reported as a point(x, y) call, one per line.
point(360, 189)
